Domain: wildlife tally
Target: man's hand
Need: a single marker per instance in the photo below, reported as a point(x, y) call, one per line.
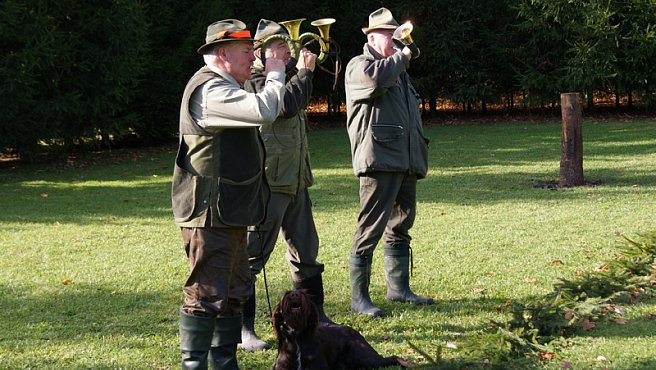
point(306, 59)
point(274, 65)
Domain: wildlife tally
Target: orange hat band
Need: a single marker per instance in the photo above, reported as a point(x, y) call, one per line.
point(240, 35)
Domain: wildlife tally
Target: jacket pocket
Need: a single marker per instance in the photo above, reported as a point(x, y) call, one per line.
point(242, 203)
point(386, 133)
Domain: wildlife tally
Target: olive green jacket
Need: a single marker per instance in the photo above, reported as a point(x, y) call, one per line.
point(383, 118)
point(287, 158)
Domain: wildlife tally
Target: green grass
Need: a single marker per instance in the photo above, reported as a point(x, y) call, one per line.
point(92, 266)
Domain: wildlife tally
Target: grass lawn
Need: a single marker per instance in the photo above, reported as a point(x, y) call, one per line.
point(92, 267)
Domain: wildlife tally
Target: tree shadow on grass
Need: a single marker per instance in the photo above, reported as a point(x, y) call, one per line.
point(79, 313)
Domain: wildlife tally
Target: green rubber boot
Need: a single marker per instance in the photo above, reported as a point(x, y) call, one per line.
point(227, 334)
point(195, 340)
point(397, 275)
point(360, 274)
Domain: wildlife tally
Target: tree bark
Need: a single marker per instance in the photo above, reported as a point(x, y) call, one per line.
point(571, 149)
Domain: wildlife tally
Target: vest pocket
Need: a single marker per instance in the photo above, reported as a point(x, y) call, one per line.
point(242, 203)
point(184, 191)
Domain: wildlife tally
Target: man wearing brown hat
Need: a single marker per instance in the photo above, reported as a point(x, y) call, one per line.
point(389, 154)
point(219, 188)
point(289, 210)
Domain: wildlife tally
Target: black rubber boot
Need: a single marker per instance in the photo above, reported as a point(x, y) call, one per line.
point(227, 334)
point(314, 288)
point(249, 340)
point(360, 274)
point(195, 340)
point(397, 274)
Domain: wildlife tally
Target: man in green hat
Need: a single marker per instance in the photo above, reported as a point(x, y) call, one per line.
point(289, 210)
point(219, 188)
point(389, 154)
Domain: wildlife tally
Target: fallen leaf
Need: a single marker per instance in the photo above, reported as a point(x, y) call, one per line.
point(43, 195)
point(589, 325)
point(451, 345)
point(601, 268)
point(530, 280)
point(557, 262)
point(503, 306)
point(546, 355)
point(617, 321)
point(569, 315)
point(601, 358)
point(489, 274)
point(479, 290)
point(67, 282)
point(619, 311)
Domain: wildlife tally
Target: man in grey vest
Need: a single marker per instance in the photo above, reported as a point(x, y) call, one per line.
point(389, 154)
point(289, 211)
point(219, 188)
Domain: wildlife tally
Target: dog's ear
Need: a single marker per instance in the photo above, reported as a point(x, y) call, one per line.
point(313, 315)
point(277, 320)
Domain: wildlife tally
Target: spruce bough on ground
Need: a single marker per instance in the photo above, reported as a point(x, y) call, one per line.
point(542, 325)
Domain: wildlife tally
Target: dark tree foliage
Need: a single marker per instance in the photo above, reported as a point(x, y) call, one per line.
point(87, 74)
point(69, 72)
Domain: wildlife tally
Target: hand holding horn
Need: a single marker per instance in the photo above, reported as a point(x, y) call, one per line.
point(402, 38)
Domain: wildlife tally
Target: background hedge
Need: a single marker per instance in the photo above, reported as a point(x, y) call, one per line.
point(87, 74)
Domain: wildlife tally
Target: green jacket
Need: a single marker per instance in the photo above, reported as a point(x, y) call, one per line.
point(287, 163)
point(383, 117)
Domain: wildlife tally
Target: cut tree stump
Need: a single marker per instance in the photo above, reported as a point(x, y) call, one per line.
point(571, 148)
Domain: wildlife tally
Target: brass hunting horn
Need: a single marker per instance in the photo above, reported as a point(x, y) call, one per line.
point(296, 41)
point(403, 38)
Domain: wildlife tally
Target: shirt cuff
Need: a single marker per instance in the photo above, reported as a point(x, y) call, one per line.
point(277, 76)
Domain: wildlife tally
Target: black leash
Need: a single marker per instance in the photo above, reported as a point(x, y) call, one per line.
point(266, 283)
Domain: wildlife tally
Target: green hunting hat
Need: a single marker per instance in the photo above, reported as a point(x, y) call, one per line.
point(266, 28)
point(381, 19)
point(225, 30)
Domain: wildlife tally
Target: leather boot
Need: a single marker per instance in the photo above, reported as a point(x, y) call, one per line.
point(249, 340)
point(195, 340)
point(397, 275)
point(227, 333)
point(360, 274)
point(314, 288)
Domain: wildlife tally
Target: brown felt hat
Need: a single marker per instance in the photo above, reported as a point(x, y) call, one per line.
point(266, 28)
point(225, 30)
point(381, 19)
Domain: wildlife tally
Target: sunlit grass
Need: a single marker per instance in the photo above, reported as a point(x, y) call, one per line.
point(92, 266)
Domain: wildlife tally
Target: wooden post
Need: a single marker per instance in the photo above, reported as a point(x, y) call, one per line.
point(571, 148)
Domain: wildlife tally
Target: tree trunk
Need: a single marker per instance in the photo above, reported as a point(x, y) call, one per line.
point(571, 149)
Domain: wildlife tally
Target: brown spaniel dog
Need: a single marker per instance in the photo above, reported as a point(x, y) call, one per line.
point(304, 344)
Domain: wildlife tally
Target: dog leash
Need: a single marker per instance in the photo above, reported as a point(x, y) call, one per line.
point(264, 276)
